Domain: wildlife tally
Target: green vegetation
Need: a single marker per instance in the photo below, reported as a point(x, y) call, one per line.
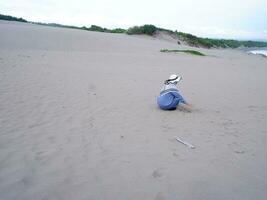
point(92, 28)
point(193, 52)
point(55, 25)
point(97, 28)
point(151, 30)
point(146, 29)
point(222, 43)
point(10, 18)
point(118, 30)
point(100, 29)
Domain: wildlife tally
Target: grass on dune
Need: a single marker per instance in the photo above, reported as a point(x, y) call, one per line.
point(192, 52)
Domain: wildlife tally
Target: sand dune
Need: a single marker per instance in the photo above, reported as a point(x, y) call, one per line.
point(79, 120)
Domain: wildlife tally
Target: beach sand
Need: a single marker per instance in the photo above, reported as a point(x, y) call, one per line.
point(79, 120)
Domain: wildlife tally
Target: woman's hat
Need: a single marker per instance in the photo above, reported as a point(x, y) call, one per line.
point(174, 78)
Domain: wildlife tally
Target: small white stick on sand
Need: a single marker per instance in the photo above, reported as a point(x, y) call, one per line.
point(185, 143)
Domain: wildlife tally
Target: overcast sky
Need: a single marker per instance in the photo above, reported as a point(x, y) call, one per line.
point(238, 19)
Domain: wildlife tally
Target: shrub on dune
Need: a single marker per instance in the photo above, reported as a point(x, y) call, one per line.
point(147, 29)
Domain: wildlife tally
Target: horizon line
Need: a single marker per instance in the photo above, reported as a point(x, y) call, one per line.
point(117, 27)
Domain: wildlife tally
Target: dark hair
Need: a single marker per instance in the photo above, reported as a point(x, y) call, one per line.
point(166, 82)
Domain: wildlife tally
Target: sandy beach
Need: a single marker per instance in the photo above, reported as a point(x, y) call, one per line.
point(79, 119)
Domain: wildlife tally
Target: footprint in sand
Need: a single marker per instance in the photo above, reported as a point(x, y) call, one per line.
point(159, 196)
point(27, 181)
point(166, 128)
point(91, 89)
point(239, 151)
point(175, 154)
point(157, 173)
point(23, 56)
point(51, 139)
point(252, 108)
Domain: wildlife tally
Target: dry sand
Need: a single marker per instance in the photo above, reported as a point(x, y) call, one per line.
point(79, 120)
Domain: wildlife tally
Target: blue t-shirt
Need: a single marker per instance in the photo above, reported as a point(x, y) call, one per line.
point(169, 97)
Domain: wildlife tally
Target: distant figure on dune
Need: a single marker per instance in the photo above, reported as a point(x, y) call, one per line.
point(170, 97)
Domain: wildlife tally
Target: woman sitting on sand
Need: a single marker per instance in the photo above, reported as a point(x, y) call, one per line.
point(170, 97)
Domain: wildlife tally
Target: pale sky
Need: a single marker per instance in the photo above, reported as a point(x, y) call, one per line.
point(237, 19)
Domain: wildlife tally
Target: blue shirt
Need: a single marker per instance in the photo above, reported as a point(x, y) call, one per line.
point(169, 97)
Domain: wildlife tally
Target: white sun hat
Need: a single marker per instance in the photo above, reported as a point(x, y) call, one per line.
point(174, 78)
